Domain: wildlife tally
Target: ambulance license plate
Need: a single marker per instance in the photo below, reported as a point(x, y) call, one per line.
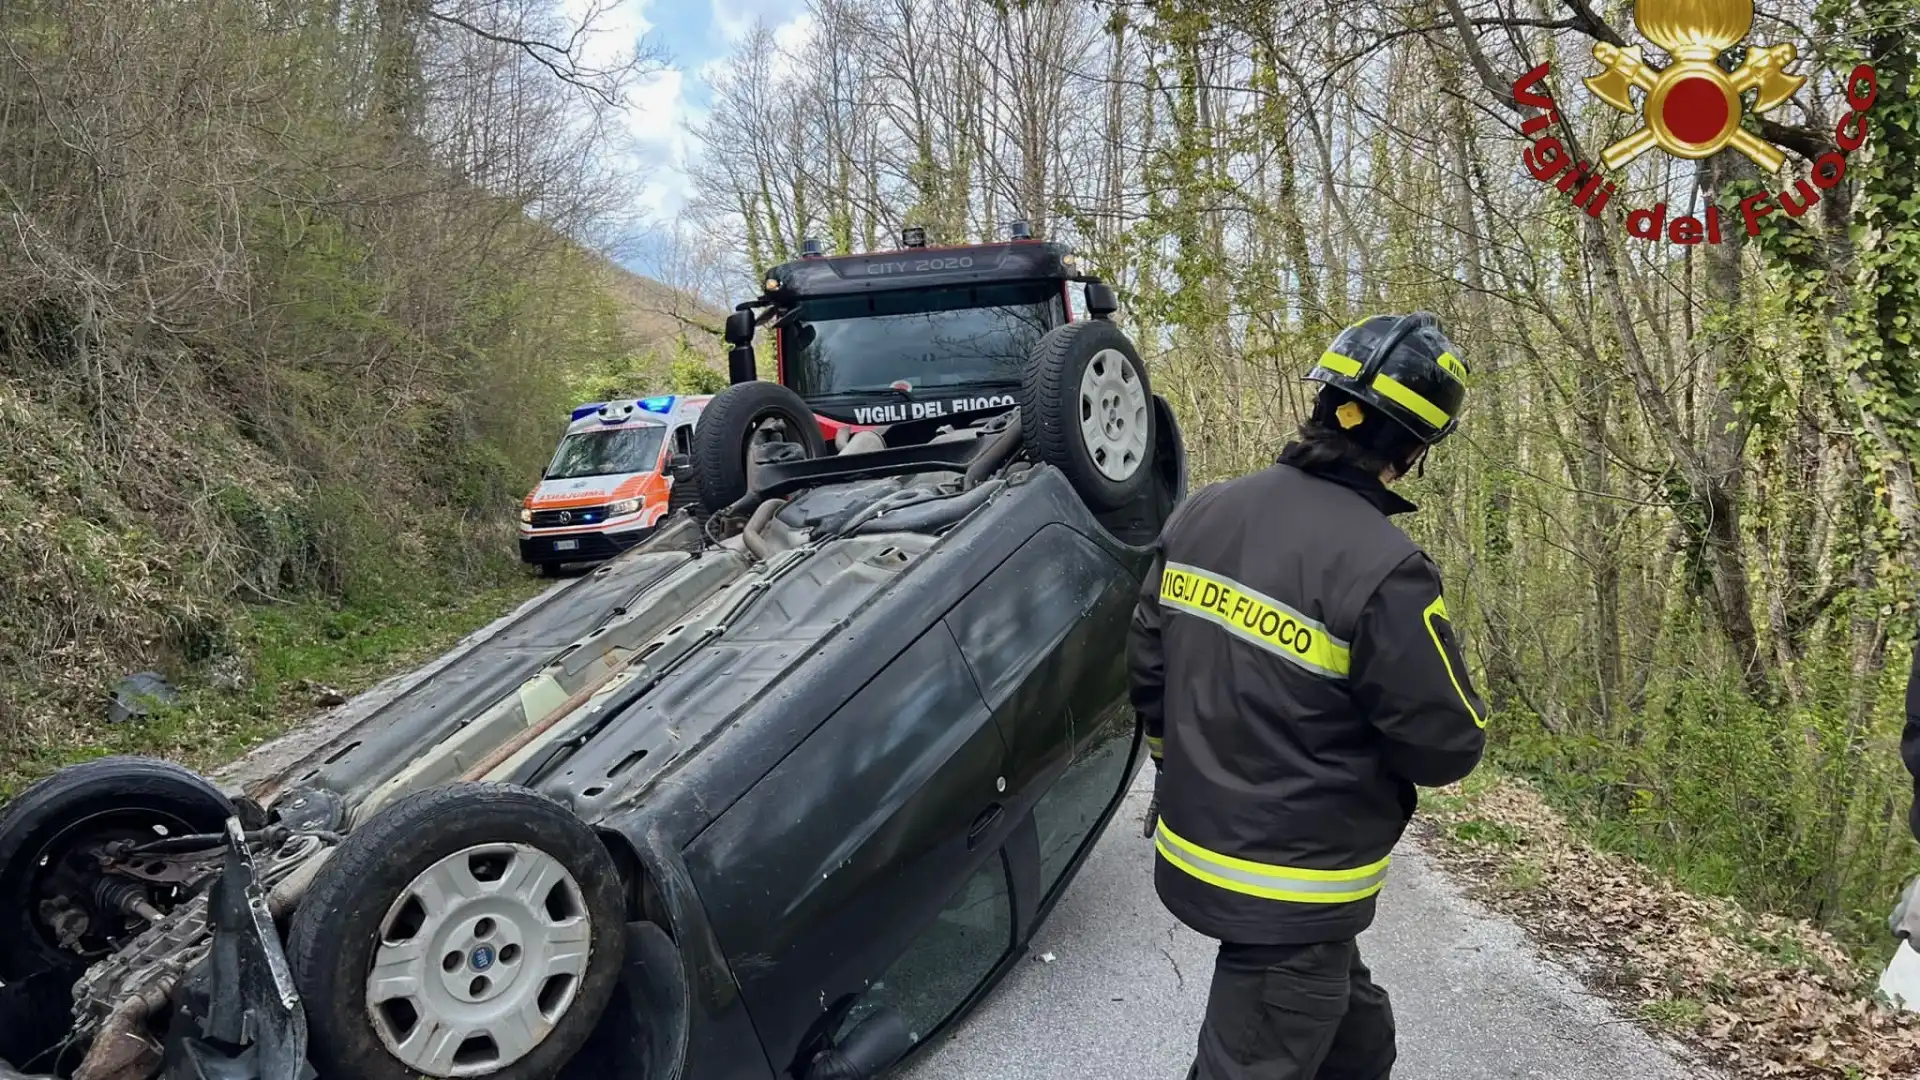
point(565, 545)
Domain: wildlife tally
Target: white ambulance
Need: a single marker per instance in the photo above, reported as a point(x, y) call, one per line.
point(606, 488)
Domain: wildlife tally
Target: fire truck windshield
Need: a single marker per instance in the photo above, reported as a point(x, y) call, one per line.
point(958, 336)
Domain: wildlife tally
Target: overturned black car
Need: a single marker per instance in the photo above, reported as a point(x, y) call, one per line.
point(807, 770)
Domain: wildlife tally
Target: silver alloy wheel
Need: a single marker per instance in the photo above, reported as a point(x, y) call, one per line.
point(478, 959)
point(1113, 415)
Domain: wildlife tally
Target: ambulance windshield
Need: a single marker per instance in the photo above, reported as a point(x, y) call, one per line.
point(609, 450)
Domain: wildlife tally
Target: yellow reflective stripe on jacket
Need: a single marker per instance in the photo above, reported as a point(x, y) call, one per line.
point(1390, 388)
point(1296, 884)
point(1153, 746)
point(1255, 618)
point(1439, 607)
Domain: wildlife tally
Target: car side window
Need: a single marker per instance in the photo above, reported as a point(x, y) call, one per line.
point(1066, 814)
point(943, 966)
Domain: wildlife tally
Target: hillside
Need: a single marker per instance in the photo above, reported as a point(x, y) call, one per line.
point(276, 368)
point(654, 314)
point(672, 340)
point(210, 524)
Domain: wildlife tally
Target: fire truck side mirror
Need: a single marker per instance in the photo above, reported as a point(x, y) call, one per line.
point(740, 328)
point(740, 365)
point(1100, 300)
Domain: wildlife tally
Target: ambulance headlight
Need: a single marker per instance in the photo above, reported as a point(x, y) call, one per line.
point(624, 506)
point(526, 515)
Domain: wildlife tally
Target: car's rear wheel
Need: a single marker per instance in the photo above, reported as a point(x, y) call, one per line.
point(58, 910)
point(736, 424)
point(1086, 408)
point(468, 930)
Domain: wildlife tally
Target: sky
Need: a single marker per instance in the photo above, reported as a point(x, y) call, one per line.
point(695, 35)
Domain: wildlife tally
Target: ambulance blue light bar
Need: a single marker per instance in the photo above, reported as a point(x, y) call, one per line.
point(584, 410)
point(662, 404)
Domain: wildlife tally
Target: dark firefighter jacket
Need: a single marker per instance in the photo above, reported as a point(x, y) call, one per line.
point(1910, 741)
point(1296, 673)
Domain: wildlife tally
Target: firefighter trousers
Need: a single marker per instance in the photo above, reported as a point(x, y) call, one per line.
point(1294, 1012)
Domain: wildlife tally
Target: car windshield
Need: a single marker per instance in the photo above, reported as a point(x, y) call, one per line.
point(599, 453)
point(956, 336)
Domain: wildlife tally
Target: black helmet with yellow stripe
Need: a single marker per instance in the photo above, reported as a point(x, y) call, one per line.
point(1402, 366)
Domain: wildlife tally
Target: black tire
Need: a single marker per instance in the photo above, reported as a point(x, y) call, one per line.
point(547, 569)
point(331, 942)
point(720, 440)
point(105, 798)
point(1050, 409)
point(34, 1020)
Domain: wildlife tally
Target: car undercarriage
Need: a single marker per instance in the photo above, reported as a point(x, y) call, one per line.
point(710, 677)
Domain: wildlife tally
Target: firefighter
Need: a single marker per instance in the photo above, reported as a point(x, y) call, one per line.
point(1297, 675)
point(1905, 920)
point(1910, 741)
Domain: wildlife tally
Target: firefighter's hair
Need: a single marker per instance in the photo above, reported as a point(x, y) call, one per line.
point(1371, 446)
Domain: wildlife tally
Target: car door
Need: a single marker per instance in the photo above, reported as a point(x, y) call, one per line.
point(878, 832)
point(1045, 636)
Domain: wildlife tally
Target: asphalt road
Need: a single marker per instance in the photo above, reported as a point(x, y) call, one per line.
point(1123, 994)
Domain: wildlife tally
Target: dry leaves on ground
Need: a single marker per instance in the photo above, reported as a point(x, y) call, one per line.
point(1759, 995)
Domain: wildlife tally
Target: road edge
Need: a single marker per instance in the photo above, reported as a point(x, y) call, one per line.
point(1757, 995)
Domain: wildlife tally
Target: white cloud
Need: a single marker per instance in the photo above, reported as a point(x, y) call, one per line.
point(657, 116)
point(791, 39)
point(656, 106)
point(654, 113)
point(658, 109)
point(734, 18)
point(731, 21)
point(617, 27)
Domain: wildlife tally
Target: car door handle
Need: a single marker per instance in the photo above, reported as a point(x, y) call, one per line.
point(981, 824)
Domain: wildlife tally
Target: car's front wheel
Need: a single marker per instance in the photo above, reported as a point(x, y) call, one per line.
point(469, 930)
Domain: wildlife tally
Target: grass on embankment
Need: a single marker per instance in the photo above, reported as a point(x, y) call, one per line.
point(295, 650)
